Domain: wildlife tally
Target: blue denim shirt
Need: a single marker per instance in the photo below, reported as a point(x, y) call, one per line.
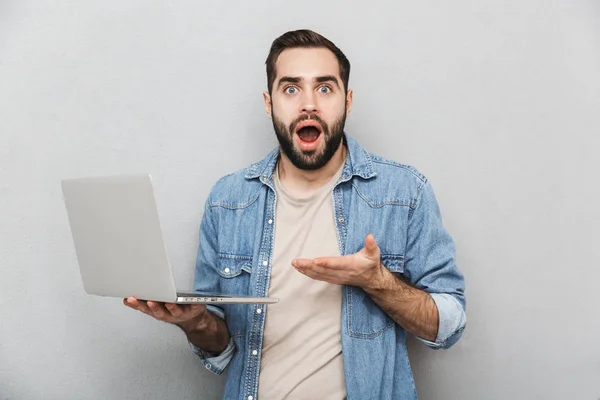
point(373, 195)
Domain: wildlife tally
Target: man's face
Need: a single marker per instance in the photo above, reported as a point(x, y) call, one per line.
point(308, 106)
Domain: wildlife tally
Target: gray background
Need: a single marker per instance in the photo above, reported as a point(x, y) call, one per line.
point(497, 102)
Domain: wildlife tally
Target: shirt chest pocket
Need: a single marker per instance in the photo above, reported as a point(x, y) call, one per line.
point(234, 272)
point(365, 318)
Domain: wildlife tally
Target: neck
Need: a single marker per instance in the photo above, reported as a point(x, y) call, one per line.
point(300, 181)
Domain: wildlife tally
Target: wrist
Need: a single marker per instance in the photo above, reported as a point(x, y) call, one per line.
point(379, 280)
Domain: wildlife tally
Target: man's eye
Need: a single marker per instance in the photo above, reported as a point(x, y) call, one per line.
point(290, 90)
point(324, 89)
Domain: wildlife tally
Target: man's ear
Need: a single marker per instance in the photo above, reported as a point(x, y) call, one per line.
point(268, 104)
point(349, 101)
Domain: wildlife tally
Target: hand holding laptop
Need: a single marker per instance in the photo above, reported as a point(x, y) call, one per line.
point(178, 314)
point(203, 328)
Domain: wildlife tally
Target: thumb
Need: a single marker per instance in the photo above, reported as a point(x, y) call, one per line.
point(371, 247)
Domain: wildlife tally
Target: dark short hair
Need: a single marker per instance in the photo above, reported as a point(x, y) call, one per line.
point(304, 38)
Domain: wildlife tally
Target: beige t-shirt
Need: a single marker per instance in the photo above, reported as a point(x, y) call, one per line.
point(302, 348)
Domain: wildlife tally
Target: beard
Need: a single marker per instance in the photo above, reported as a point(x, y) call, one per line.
point(313, 159)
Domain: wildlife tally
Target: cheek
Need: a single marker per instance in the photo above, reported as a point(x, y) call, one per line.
point(283, 111)
point(333, 105)
point(332, 113)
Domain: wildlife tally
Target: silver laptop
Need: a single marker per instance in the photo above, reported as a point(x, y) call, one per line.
point(119, 242)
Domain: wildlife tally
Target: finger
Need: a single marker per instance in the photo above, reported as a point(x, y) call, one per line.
point(337, 263)
point(316, 271)
point(143, 307)
point(126, 302)
point(174, 309)
point(301, 263)
point(371, 247)
point(158, 310)
point(323, 274)
point(130, 302)
point(340, 263)
point(136, 304)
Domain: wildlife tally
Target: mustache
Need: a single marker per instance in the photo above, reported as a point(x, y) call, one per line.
point(309, 117)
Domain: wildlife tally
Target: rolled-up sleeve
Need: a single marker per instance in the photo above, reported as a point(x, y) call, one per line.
point(452, 321)
point(430, 266)
point(215, 363)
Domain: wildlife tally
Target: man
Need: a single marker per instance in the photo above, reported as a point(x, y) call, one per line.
point(352, 244)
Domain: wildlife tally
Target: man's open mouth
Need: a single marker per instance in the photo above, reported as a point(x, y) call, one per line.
point(308, 131)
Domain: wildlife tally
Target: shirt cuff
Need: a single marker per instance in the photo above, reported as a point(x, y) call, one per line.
point(215, 363)
point(452, 321)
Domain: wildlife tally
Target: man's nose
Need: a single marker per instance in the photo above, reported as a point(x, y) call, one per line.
point(309, 102)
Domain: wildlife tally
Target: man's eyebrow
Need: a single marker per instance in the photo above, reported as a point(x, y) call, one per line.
point(327, 78)
point(288, 79)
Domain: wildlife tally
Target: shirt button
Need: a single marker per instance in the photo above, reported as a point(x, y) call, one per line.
point(226, 270)
point(341, 219)
point(254, 352)
point(265, 263)
point(258, 310)
point(208, 366)
point(270, 221)
point(250, 397)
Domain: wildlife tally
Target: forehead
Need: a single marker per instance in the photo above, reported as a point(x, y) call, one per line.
point(307, 62)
